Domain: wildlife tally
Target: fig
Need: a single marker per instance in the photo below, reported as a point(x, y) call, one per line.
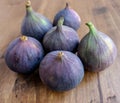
point(61, 37)
point(96, 50)
point(34, 24)
point(61, 70)
point(72, 19)
point(24, 54)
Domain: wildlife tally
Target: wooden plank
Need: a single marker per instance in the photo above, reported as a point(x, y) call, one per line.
point(109, 79)
point(100, 87)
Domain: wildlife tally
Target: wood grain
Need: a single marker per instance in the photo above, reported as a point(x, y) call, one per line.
point(103, 87)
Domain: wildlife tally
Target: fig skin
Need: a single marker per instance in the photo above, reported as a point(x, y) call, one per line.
point(96, 50)
point(72, 19)
point(61, 37)
point(34, 24)
point(24, 54)
point(61, 70)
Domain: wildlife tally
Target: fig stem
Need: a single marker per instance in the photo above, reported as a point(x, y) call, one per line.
point(67, 5)
point(23, 38)
point(28, 3)
point(60, 23)
point(92, 28)
point(28, 7)
point(60, 55)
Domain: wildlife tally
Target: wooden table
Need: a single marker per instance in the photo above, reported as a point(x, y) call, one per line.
point(103, 87)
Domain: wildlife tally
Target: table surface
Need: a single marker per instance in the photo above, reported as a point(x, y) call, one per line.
point(103, 87)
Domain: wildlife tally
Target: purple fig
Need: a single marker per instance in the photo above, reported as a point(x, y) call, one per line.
point(61, 37)
point(72, 19)
point(96, 50)
point(61, 70)
point(35, 24)
point(24, 54)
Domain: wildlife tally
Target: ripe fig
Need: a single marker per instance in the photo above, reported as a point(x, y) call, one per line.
point(72, 19)
point(61, 37)
point(96, 50)
point(24, 54)
point(35, 24)
point(61, 70)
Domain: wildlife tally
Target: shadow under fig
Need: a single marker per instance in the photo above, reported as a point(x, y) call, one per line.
point(25, 82)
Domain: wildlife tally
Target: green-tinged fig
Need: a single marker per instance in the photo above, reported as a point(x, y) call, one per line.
point(34, 24)
point(61, 37)
point(24, 54)
point(72, 19)
point(61, 70)
point(96, 50)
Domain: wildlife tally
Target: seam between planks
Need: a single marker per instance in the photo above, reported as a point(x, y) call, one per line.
point(99, 88)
